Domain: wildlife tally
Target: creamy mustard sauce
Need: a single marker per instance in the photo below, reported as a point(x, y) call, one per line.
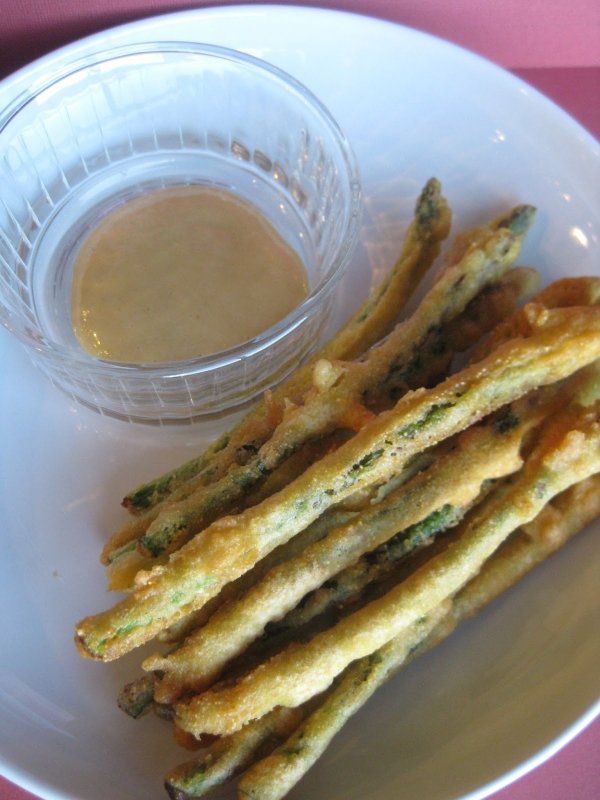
point(179, 273)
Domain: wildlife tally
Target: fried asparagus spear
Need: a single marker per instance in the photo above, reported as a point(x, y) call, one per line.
point(274, 775)
point(138, 696)
point(126, 561)
point(490, 252)
point(564, 293)
point(230, 755)
point(568, 452)
point(349, 585)
point(494, 303)
point(560, 341)
point(568, 513)
point(185, 513)
point(481, 453)
point(217, 636)
point(189, 780)
point(371, 322)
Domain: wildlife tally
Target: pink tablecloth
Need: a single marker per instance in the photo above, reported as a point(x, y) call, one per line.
point(553, 45)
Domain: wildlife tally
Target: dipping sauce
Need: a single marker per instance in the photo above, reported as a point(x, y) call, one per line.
point(181, 272)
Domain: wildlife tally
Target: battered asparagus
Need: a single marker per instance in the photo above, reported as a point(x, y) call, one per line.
point(564, 516)
point(480, 454)
point(349, 585)
point(274, 775)
point(565, 293)
point(371, 322)
point(559, 342)
point(494, 303)
point(568, 453)
point(230, 755)
point(125, 561)
point(491, 251)
point(137, 697)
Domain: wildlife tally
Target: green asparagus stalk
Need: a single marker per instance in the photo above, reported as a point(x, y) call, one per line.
point(491, 252)
point(275, 775)
point(560, 342)
point(371, 322)
point(230, 755)
point(481, 453)
point(568, 453)
point(494, 303)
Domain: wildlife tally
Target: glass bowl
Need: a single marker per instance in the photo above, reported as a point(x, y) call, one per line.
point(126, 121)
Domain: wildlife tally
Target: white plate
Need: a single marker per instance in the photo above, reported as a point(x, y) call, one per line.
point(510, 687)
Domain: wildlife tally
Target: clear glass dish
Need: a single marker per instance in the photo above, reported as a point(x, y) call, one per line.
point(119, 123)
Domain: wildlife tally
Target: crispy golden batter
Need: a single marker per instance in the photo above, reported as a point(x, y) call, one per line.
point(492, 249)
point(560, 341)
point(362, 510)
point(481, 454)
point(228, 756)
point(370, 323)
point(568, 452)
point(272, 777)
point(565, 293)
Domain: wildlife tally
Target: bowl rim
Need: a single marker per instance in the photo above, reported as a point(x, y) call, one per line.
point(262, 341)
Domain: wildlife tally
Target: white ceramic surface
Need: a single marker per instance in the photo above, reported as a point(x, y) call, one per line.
point(511, 686)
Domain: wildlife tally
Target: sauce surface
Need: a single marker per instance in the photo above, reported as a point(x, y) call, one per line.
point(181, 272)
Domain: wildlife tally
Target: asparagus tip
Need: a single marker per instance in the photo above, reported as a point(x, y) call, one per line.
point(519, 220)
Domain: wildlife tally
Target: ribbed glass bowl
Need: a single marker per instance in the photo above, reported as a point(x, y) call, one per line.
point(126, 121)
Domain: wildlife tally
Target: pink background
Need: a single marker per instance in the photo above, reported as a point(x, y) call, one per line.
point(536, 33)
point(552, 44)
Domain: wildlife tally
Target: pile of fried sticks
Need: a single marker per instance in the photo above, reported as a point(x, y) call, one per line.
point(389, 489)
